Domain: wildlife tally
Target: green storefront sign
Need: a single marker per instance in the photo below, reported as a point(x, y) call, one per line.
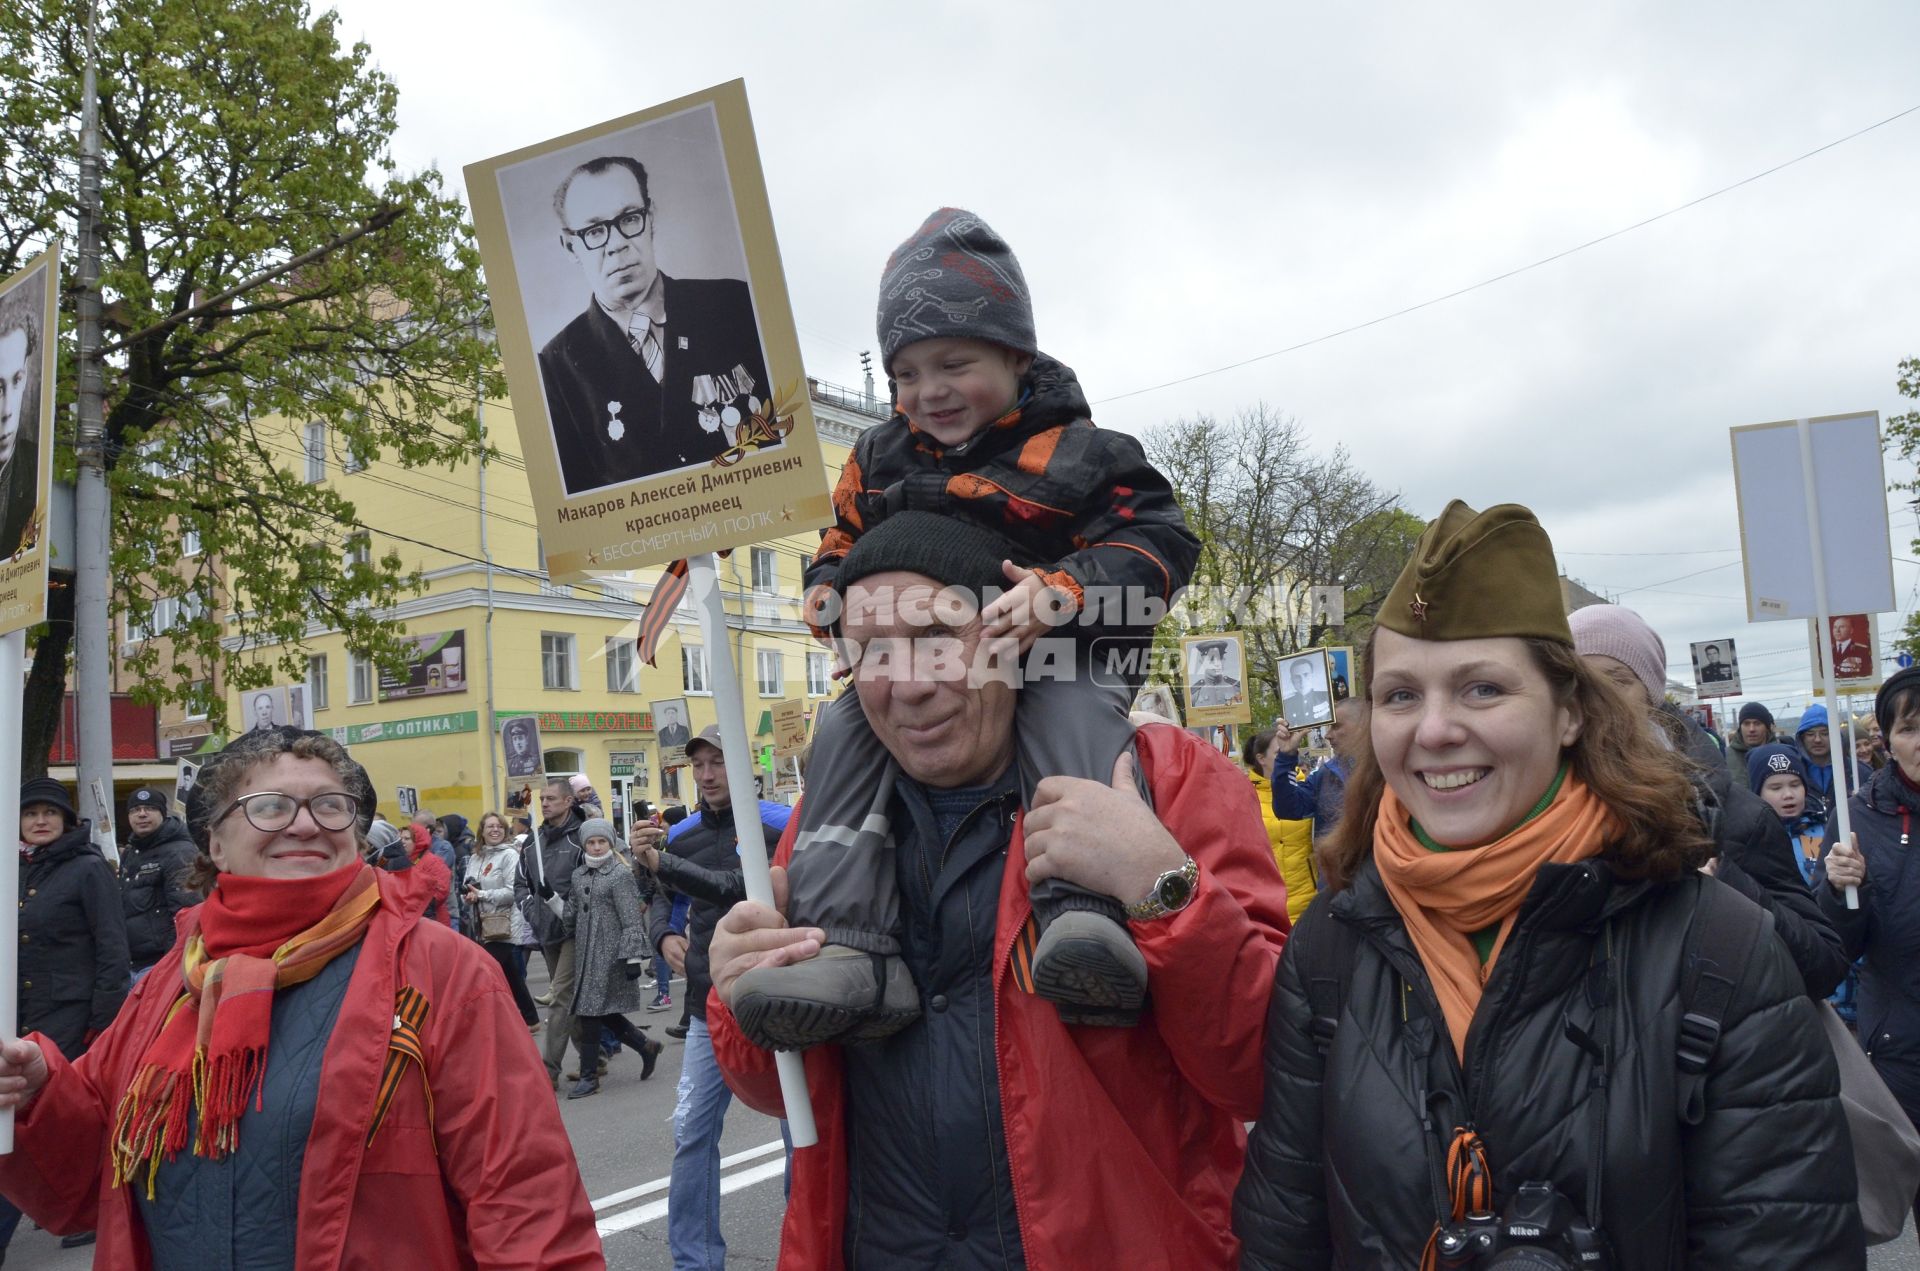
point(408, 729)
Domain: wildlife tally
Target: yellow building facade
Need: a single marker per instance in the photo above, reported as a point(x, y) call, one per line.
point(498, 639)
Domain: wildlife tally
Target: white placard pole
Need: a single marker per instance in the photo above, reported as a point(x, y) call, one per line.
point(734, 750)
point(1824, 643)
point(13, 664)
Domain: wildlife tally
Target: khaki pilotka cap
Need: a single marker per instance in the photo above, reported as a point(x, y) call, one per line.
point(1479, 575)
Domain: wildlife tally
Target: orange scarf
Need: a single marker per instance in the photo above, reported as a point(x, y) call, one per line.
point(1444, 897)
point(251, 937)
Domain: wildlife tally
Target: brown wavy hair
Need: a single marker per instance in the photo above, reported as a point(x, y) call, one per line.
point(1617, 754)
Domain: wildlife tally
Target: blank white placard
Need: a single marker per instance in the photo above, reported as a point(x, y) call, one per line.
point(1850, 484)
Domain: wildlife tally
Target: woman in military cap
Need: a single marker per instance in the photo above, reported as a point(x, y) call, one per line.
point(1520, 1014)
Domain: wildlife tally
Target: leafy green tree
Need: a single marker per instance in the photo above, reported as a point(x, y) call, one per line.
point(1273, 519)
point(238, 137)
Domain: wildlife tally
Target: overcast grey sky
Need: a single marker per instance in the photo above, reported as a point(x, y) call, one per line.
point(1191, 185)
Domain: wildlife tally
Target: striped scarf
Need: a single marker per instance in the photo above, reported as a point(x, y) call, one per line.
point(251, 937)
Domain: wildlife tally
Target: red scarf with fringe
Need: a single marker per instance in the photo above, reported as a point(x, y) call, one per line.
point(251, 937)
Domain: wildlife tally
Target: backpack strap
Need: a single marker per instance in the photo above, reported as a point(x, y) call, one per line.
point(1323, 952)
point(1720, 944)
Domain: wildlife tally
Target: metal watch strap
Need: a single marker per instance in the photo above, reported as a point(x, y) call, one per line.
point(1151, 907)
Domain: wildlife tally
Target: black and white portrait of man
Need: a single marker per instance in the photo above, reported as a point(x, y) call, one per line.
point(21, 316)
point(520, 737)
point(632, 275)
point(1306, 697)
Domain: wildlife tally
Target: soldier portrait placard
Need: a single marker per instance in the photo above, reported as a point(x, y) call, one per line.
point(648, 339)
point(1215, 668)
point(1852, 641)
point(1306, 689)
point(28, 325)
point(1716, 668)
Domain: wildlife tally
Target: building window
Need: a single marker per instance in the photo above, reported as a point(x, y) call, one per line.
point(357, 550)
point(819, 674)
point(764, 577)
point(189, 542)
point(767, 662)
point(317, 681)
point(316, 453)
point(623, 667)
point(556, 661)
point(360, 689)
point(693, 668)
point(197, 699)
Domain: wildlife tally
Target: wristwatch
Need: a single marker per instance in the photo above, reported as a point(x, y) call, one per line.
point(1169, 894)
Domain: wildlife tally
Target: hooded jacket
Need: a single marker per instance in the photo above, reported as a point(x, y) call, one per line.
point(73, 939)
point(1292, 841)
point(1820, 775)
point(1123, 1143)
point(1344, 1166)
point(1081, 503)
point(487, 1179)
point(153, 878)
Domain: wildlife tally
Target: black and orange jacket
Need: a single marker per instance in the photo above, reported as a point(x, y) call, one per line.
point(1082, 503)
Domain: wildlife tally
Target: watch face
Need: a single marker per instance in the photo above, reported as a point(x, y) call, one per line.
point(1174, 890)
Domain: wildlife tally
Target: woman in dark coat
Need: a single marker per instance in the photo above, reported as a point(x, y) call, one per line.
point(1487, 1010)
point(1885, 929)
point(73, 932)
point(610, 952)
point(73, 971)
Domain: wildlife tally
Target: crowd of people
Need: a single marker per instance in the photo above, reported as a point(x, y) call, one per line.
point(1529, 960)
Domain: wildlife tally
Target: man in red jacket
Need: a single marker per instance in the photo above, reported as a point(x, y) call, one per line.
point(987, 1132)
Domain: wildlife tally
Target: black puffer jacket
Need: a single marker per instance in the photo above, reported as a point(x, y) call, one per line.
point(1885, 929)
point(1339, 1167)
point(153, 888)
point(73, 941)
point(1756, 860)
point(702, 862)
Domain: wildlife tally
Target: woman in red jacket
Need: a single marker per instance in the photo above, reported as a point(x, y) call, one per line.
point(286, 1083)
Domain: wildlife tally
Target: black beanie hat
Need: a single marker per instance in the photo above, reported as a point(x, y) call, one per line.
point(50, 792)
point(1754, 710)
point(954, 278)
point(948, 550)
point(254, 747)
point(1898, 684)
point(148, 797)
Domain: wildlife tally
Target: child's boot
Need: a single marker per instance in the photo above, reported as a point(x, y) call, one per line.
point(1086, 963)
point(840, 994)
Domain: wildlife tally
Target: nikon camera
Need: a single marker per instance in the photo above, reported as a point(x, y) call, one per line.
point(1540, 1231)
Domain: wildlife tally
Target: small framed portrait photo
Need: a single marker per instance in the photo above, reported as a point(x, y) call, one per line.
point(1215, 670)
point(1306, 689)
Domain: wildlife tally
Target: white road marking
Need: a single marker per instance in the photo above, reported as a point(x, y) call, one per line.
point(729, 1183)
point(656, 1210)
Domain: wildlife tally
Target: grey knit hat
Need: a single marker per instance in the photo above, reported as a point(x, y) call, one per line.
point(599, 826)
point(1619, 633)
point(954, 277)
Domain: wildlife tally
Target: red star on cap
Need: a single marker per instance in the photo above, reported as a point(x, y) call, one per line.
point(1419, 608)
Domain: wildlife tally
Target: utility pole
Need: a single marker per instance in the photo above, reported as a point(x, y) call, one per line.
point(92, 678)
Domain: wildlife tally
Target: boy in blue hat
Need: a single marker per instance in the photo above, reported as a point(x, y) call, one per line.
point(1816, 745)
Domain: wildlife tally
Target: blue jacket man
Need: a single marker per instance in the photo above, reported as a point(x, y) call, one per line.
point(1816, 743)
